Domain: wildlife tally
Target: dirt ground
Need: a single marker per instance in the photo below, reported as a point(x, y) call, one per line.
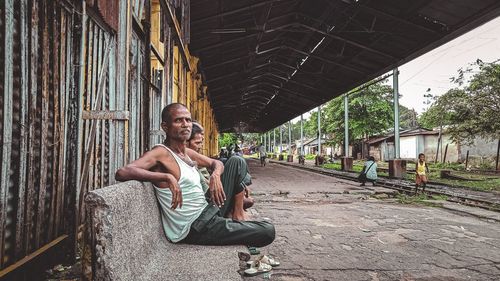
point(332, 229)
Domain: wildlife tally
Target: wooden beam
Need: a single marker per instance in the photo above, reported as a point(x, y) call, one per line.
point(177, 33)
point(31, 256)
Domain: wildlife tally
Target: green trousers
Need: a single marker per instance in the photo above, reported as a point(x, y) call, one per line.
point(211, 228)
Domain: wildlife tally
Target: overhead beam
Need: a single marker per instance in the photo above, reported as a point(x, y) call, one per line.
point(324, 59)
point(396, 18)
point(348, 41)
point(235, 11)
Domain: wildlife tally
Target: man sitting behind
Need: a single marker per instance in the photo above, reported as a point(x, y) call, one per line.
point(186, 215)
point(235, 179)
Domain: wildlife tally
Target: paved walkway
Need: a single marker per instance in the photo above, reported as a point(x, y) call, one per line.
point(331, 229)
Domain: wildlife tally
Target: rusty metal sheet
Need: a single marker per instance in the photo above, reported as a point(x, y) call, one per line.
point(108, 10)
point(33, 167)
point(45, 95)
point(23, 135)
point(7, 116)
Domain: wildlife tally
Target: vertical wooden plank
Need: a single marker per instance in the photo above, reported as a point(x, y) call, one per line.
point(44, 128)
point(7, 121)
point(122, 69)
point(20, 252)
point(75, 125)
point(113, 124)
point(146, 103)
point(96, 57)
point(133, 95)
point(55, 143)
point(32, 145)
point(64, 90)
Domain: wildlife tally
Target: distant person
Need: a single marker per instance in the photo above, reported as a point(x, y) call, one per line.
point(421, 171)
point(262, 155)
point(369, 172)
point(237, 151)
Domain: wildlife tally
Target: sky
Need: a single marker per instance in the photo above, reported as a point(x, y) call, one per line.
point(435, 68)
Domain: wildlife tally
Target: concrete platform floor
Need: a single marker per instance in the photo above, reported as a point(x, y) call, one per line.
point(331, 229)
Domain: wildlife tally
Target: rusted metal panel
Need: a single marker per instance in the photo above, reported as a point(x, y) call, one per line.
point(45, 95)
point(23, 121)
point(108, 9)
point(33, 145)
point(7, 116)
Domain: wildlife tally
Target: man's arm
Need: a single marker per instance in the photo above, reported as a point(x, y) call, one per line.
point(140, 170)
point(215, 184)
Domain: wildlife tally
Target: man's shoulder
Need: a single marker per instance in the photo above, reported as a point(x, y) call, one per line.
point(160, 150)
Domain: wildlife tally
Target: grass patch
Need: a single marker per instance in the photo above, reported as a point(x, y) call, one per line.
point(337, 166)
point(310, 156)
point(420, 199)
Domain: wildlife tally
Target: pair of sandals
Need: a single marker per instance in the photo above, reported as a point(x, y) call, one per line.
point(263, 264)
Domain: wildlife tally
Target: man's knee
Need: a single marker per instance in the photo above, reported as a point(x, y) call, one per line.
point(268, 233)
point(235, 161)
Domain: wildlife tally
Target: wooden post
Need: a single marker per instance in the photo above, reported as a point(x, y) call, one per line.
point(498, 153)
point(467, 160)
point(445, 152)
point(437, 149)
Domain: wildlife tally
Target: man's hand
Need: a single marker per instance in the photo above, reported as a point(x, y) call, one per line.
point(172, 184)
point(216, 190)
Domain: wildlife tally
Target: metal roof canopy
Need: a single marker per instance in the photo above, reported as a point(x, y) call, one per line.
point(268, 61)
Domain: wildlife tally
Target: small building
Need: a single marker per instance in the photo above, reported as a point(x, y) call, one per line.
point(421, 140)
point(412, 142)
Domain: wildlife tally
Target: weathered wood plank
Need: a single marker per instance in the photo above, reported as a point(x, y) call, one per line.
point(64, 90)
point(33, 144)
point(23, 155)
point(44, 128)
point(56, 127)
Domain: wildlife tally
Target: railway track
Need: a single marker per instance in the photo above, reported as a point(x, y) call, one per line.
point(458, 195)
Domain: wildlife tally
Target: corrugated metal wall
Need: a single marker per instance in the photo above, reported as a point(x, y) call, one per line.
point(37, 81)
point(82, 96)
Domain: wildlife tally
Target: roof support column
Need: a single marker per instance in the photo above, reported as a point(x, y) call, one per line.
point(319, 130)
point(397, 167)
point(301, 134)
point(274, 139)
point(269, 142)
point(395, 84)
point(281, 139)
point(290, 155)
point(346, 126)
point(346, 160)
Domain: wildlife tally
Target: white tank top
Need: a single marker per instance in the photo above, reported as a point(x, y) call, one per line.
point(176, 223)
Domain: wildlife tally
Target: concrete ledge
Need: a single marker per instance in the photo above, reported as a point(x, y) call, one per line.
point(128, 243)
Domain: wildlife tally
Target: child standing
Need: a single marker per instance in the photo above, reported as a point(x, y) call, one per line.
point(421, 170)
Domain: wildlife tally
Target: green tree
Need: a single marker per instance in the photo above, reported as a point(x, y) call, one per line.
point(227, 139)
point(370, 113)
point(311, 125)
point(473, 110)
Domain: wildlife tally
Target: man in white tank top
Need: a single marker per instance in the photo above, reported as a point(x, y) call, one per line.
point(186, 215)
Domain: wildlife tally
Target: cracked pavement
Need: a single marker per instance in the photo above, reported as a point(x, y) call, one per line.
point(333, 229)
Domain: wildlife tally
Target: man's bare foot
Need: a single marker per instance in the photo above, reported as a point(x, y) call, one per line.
point(240, 216)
